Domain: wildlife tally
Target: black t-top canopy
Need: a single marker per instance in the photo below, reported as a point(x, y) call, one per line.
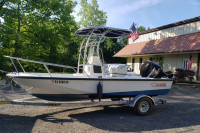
point(105, 31)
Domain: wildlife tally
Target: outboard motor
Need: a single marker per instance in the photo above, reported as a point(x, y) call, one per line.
point(153, 70)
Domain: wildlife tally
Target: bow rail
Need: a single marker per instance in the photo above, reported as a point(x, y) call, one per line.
point(45, 64)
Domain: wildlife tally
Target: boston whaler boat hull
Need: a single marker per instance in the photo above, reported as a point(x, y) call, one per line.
point(70, 89)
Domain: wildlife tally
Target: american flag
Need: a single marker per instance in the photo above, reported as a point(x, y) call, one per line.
point(190, 62)
point(134, 35)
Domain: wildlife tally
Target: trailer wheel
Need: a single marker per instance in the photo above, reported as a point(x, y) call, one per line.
point(143, 106)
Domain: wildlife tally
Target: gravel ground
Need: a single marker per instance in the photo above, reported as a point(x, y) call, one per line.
point(180, 114)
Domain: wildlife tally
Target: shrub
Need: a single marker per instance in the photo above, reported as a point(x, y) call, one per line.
point(182, 75)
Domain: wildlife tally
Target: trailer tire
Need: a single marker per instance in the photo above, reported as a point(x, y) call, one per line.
point(143, 106)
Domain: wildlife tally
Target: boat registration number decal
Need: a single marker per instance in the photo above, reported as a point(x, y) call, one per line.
point(59, 81)
point(158, 84)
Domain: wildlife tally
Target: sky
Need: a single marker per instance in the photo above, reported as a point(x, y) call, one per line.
point(147, 13)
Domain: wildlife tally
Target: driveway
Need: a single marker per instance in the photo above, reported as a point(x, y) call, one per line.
point(180, 114)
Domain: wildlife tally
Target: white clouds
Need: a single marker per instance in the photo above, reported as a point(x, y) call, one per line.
point(121, 11)
point(117, 10)
point(196, 3)
point(148, 13)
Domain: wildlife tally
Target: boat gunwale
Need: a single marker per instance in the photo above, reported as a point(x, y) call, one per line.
point(99, 79)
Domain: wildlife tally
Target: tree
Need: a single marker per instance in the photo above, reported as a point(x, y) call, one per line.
point(142, 28)
point(110, 47)
point(39, 30)
point(91, 15)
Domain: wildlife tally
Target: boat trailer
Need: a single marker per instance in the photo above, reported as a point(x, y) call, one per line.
point(142, 104)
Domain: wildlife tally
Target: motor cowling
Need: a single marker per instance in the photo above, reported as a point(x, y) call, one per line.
point(150, 69)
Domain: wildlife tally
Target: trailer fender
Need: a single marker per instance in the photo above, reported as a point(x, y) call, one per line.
point(135, 99)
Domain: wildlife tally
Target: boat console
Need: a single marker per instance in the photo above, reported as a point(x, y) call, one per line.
point(93, 70)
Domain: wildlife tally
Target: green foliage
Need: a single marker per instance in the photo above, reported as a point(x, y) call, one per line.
point(142, 28)
point(91, 15)
point(110, 47)
point(44, 30)
point(39, 30)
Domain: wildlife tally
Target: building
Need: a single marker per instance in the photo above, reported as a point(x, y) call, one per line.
point(171, 46)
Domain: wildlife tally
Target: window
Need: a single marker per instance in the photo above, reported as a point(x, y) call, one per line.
point(154, 59)
point(185, 63)
point(161, 61)
point(140, 62)
point(133, 64)
point(157, 60)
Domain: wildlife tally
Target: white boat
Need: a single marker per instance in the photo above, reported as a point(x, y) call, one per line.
point(93, 77)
